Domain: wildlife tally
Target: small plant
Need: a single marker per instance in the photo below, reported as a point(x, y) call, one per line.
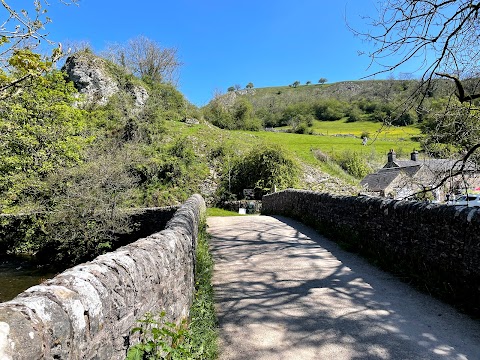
point(159, 339)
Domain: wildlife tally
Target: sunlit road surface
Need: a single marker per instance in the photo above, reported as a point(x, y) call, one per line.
point(284, 292)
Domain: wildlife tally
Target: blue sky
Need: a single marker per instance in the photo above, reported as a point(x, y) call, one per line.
point(223, 43)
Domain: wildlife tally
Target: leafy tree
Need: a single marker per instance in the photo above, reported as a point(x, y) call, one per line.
point(295, 83)
point(308, 82)
point(353, 114)
point(231, 88)
point(295, 110)
point(89, 205)
point(322, 80)
point(249, 85)
point(328, 110)
point(40, 131)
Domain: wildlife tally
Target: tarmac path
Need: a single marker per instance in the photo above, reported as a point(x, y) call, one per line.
point(284, 292)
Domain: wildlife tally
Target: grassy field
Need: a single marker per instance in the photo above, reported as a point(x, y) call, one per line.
point(301, 146)
point(375, 129)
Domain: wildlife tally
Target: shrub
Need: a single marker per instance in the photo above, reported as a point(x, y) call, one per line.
point(262, 170)
point(354, 164)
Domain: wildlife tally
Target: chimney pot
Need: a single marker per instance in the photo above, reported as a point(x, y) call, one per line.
point(392, 156)
point(414, 155)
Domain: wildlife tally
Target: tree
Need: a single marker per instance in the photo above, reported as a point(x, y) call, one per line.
point(442, 39)
point(237, 86)
point(308, 82)
point(295, 83)
point(21, 32)
point(322, 81)
point(249, 85)
point(146, 59)
point(40, 131)
point(231, 88)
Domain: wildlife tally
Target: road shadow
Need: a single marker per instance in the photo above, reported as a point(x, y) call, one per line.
point(280, 284)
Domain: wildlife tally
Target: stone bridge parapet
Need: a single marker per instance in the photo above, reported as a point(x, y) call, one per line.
point(435, 246)
point(87, 312)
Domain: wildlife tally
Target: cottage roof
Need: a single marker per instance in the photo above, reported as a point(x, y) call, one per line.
point(380, 180)
point(434, 165)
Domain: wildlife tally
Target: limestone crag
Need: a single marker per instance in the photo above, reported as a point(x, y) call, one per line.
point(92, 77)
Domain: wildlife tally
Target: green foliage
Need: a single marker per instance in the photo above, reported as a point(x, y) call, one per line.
point(354, 164)
point(219, 115)
point(240, 116)
point(328, 110)
point(353, 114)
point(249, 85)
point(39, 132)
point(159, 339)
point(451, 130)
point(170, 174)
point(322, 80)
point(231, 88)
point(88, 206)
point(262, 169)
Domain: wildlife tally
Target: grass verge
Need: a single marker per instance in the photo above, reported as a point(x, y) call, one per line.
point(203, 323)
point(221, 212)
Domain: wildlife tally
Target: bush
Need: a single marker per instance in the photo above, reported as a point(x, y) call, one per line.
point(354, 164)
point(262, 170)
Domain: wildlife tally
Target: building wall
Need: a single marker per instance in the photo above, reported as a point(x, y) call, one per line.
point(435, 246)
point(87, 312)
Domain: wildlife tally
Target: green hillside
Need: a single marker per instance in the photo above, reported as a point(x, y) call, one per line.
point(85, 163)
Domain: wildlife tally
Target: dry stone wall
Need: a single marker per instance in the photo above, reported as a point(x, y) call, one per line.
point(87, 311)
point(435, 246)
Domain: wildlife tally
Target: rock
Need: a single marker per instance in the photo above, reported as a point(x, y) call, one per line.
point(191, 121)
point(93, 79)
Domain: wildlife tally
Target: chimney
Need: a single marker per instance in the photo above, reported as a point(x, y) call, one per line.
point(392, 156)
point(414, 155)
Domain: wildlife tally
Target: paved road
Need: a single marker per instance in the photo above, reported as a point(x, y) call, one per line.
point(284, 292)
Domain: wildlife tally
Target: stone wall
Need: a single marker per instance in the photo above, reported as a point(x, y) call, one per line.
point(437, 247)
point(87, 311)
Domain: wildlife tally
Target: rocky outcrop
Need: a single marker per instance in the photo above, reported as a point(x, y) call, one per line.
point(87, 312)
point(93, 78)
